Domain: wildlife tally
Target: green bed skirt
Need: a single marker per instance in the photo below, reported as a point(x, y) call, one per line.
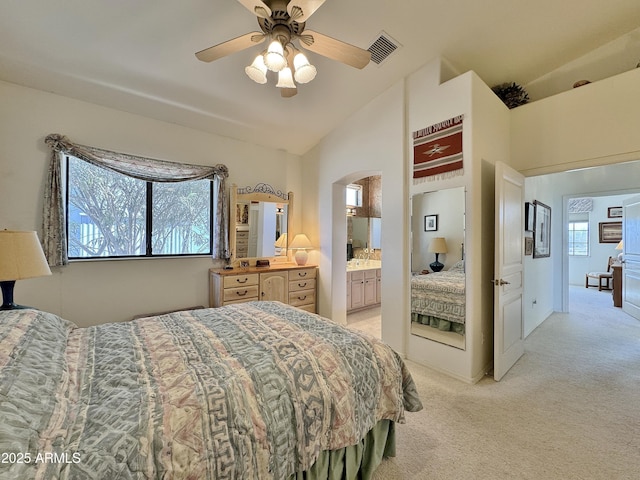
point(439, 323)
point(356, 461)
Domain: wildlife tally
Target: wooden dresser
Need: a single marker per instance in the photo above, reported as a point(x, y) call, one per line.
point(617, 284)
point(286, 283)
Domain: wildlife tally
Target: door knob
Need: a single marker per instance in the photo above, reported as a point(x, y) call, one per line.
point(500, 282)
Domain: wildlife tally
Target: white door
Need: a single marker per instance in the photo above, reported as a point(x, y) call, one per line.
point(631, 256)
point(508, 336)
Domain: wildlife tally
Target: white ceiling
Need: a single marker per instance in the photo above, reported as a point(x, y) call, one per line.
point(138, 55)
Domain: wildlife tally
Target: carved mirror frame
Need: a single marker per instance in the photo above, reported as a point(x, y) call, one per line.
point(262, 192)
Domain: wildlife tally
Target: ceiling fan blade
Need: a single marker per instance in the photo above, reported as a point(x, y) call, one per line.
point(257, 7)
point(301, 10)
point(288, 92)
point(231, 46)
point(335, 49)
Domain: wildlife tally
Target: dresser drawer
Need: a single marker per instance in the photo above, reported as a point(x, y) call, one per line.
point(231, 281)
point(302, 284)
point(303, 297)
point(250, 292)
point(302, 273)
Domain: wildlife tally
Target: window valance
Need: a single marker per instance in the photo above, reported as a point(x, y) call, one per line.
point(142, 168)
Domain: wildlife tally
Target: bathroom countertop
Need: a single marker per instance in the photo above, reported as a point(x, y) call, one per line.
point(356, 265)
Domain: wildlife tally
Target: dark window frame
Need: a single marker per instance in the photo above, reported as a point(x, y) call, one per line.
point(148, 224)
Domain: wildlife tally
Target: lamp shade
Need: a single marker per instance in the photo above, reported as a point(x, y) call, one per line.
point(257, 71)
point(620, 247)
point(305, 72)
point(281, 242)
point(285, 79)
point(438, 245)
point(21, 256)
point(274, 59)
point(300, 242)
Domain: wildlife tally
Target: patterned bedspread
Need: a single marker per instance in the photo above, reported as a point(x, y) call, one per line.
point(439, 294)
point(249, 391)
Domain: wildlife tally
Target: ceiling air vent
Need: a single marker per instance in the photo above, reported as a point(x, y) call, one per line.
point(382, 47)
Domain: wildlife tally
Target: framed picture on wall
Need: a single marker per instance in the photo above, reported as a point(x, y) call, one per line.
point(542, 230)
point(614, 212)
point(609, 232)
point(430, 223)
point(528, 217)
point(528, 245)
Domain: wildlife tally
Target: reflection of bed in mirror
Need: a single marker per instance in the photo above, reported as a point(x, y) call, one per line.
point(438, 305)
point(438, 300)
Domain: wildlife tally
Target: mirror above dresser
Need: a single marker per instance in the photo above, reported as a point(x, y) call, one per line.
point(260, 222)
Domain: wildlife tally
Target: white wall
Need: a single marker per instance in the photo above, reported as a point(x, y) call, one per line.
point(589, 126)
point(375, 139)
point(554, 190)
point(96, 292)
point(370, 142)
point(593, 125)
point(448, 204)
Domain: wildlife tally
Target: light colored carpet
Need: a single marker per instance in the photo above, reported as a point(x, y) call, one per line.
point(568, 409)
point(368, 321)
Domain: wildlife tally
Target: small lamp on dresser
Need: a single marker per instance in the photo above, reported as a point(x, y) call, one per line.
point(300, 245)
point(21, 257)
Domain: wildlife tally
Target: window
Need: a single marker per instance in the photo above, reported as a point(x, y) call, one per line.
point(354, 195)
point(113, 215)
point(579, 237)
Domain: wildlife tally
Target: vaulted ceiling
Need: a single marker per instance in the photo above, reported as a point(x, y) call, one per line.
point(138, 55)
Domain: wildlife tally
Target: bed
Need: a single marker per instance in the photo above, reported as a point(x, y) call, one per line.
point(259, 390)
point(438, 299)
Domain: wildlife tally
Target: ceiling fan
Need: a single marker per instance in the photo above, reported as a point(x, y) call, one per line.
point(283, 22)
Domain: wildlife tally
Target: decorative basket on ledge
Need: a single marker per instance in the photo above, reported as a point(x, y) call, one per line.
point(511, 94)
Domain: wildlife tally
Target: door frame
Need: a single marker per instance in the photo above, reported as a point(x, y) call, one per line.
point(564, 274)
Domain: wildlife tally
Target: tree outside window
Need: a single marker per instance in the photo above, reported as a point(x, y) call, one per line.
point(113, 215)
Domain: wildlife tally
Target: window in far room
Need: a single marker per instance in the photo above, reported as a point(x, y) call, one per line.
point(579, 235)
point(113, 215)
point(354, 195)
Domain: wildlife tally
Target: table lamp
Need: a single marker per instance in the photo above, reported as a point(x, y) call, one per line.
point(437, 246)
point(300, 245)
point(21, 257)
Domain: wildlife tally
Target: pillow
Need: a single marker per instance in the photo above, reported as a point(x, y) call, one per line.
point(457, 267)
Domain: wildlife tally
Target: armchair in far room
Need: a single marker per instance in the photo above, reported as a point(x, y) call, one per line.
point(604, 278)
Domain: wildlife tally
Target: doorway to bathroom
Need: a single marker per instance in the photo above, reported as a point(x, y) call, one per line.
point(363, 208)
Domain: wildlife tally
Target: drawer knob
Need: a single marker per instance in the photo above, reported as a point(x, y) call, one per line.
point(242, 294)
point(302, 274)
point(302, 285)
point(302, 298)
point(244, 280)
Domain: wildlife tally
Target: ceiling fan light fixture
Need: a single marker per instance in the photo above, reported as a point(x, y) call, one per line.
point(257, 71)
point(285, 79)
point(305, 72)
point(274, 59)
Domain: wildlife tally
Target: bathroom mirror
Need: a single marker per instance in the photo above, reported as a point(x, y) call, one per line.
point(363, 232)
point(438, 277)
point(260, 222)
